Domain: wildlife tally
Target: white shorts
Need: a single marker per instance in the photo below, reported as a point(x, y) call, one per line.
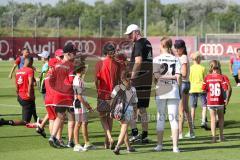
point(215, 108)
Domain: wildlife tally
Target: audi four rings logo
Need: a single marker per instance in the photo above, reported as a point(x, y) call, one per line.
point(85, 46)
point(4, 47)
point(211, 49)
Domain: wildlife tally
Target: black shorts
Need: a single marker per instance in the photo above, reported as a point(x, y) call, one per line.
point(143, 94)
point(28, 109)
point(69, 110)
point(236, 79)
point(64, 109)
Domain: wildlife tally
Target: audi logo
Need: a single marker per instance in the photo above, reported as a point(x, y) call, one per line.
point(4, 47)
point(85, 46)
point(211, 49)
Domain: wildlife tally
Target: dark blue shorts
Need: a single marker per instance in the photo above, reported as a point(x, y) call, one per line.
point(185, 88)
point(194, 99)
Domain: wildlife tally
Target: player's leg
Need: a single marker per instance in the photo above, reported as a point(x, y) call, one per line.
point(121, 136)
point(213, 124)
point(193, 104)
point(71, 123)
point(203, 98)
point(221, 123)
point(77, 127)
point(185, 99)
point(61, 114)
point(172, 105)
point(144, 121)
point(181, 118)
point(161, 116)
point(104, 117)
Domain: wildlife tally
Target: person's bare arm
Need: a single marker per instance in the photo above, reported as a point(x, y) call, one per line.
point(230, 68)
point(184, 70)
point(30, 85)
point(12, 70)
point(136, 66)
point(85, 104)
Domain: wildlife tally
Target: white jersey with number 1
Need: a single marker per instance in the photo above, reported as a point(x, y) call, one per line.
point(166, 65)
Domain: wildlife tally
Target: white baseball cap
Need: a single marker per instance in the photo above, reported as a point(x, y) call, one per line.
point(131, 28)
point(44, 54)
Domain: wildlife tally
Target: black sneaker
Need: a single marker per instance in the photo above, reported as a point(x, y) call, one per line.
point(2, 121)
point(205, 126)
point(116, 151)
point(62, 144)
point(41, 131)
point(70, 144)
point(135, 139)
point(54, 142)
point(145, 140)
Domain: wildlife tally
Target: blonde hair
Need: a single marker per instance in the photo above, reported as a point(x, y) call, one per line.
point(196, 56)
point(167, 44)
point(215, 65)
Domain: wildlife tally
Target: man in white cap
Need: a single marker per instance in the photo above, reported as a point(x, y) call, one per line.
point(141, 78)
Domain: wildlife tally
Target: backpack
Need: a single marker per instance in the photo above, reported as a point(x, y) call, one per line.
point(119, 106)
point(42, 87)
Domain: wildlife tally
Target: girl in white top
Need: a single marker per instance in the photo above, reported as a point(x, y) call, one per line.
point(181, 53)
point(167, 74)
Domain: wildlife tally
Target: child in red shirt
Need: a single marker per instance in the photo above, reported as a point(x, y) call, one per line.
point(215, 85)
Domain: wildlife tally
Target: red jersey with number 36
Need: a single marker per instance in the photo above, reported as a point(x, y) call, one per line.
point(215, 85)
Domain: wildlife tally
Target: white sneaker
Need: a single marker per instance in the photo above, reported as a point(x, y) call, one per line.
point(180, 136)
point(158, 148)
point(78, 148)
point(188, 135)
point(176, 150)
point(238, 85)
point(89, 147)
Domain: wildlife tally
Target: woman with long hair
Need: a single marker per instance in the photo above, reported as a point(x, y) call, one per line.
point(167, 74)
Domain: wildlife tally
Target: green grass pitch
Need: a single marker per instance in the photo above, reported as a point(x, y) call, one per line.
point(21, 143)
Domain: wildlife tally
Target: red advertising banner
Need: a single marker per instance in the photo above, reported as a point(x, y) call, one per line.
point(11, 47)
point(218, 49)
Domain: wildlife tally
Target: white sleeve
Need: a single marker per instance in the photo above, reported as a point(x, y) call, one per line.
point(183, 59)
point(156, 67)
point(178, 66)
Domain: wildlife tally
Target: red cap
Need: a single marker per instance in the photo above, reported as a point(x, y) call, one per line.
point(59, 52)
point(52, 62)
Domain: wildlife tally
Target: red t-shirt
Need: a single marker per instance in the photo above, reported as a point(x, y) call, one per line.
point(22, 83)
point(61, 82)
point(214, 85)
point(108, 75)
point(49, 91)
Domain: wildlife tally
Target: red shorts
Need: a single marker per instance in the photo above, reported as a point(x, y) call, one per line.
point(51, 112)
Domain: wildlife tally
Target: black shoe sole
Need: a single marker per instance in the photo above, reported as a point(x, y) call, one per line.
point(42, 134)
point(116, 151)
point(52, 144)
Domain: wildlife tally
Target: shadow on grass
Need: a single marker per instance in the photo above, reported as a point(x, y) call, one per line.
point(210, 147)
point(19, 136)
point(8, 96)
